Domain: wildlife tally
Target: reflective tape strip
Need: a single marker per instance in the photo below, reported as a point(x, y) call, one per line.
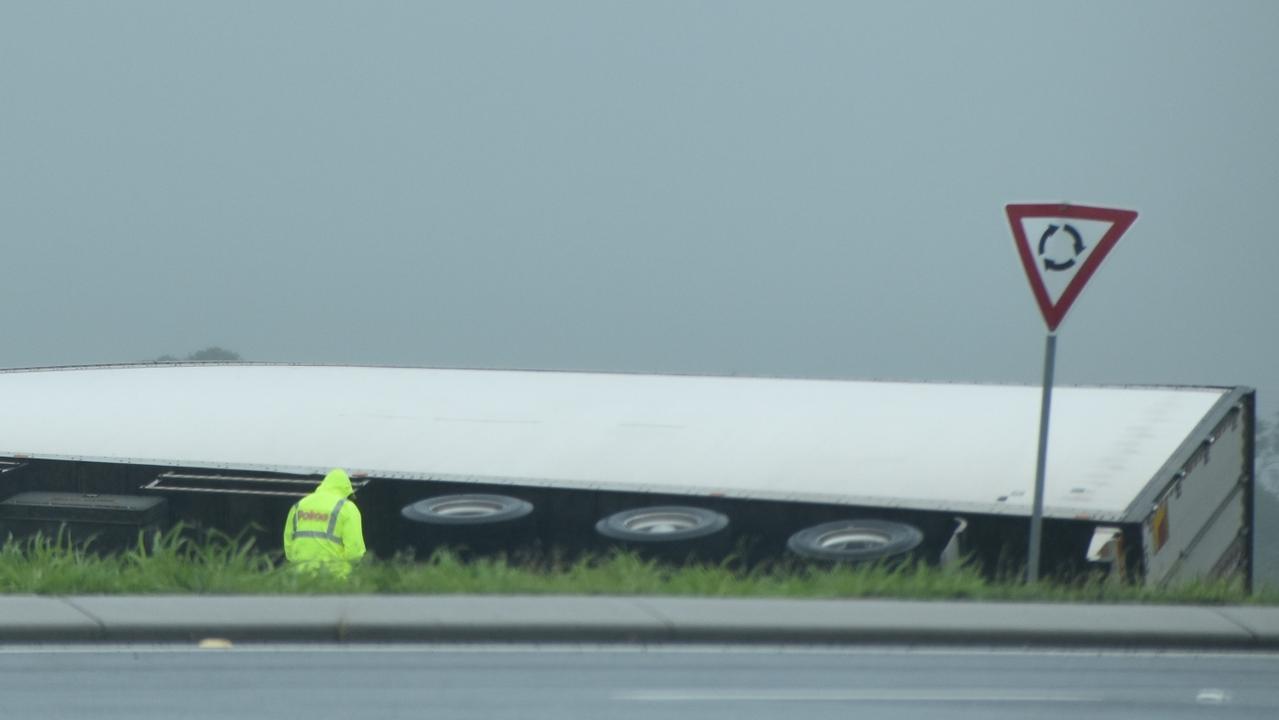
point(328, 534)
point(318, 535)
point(333, 519)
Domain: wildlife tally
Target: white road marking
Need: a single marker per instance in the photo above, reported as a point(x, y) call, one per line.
point(1212, 696)
point(868, 695)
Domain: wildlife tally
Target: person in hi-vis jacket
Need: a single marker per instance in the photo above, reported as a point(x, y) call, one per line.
point(324, 531)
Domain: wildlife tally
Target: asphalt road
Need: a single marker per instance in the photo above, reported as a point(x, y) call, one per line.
point(105, 682)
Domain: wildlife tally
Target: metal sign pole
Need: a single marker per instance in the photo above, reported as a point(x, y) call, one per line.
point(1037, 516)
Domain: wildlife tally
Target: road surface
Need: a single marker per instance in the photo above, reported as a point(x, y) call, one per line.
point(563, 682)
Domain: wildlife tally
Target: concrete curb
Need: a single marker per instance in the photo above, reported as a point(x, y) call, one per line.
point(490, 618)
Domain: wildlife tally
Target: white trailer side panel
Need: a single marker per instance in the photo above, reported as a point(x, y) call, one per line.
point(913, 445)
point(1199, 523)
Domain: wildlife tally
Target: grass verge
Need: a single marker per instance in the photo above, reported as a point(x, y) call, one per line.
point(175, 564)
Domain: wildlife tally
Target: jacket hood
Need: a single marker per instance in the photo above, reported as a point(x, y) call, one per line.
point(337, 482)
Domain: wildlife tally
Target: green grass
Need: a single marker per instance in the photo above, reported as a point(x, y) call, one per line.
point(175, 564)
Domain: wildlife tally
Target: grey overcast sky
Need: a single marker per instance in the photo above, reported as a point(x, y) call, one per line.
point(780, 188)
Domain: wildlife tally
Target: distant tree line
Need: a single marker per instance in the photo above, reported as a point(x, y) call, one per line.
point(1267, 441)
point(1266, 446)
point(210, 354)
point(1265, 436)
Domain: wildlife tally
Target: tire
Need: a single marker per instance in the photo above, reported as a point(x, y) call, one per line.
point(470, 524)
point(855, 541)
point(672, 532)
point(474, 509)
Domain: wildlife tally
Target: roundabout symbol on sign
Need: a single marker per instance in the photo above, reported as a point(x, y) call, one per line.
point(1078, 247)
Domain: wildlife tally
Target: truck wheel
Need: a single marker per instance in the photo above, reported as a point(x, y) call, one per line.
point(855, 540)
point(467, 510)
point(470, 523)
point(672, 532)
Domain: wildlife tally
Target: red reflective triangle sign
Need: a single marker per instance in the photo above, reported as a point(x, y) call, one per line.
point(1061, 246)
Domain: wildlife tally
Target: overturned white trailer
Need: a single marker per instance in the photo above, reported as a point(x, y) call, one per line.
point(1155, 479)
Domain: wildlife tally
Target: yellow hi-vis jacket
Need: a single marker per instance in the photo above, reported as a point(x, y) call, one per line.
point(323, 530)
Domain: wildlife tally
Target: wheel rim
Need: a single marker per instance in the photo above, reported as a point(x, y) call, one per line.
point(466, 507)
point(661, 523)
point(854, 539)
